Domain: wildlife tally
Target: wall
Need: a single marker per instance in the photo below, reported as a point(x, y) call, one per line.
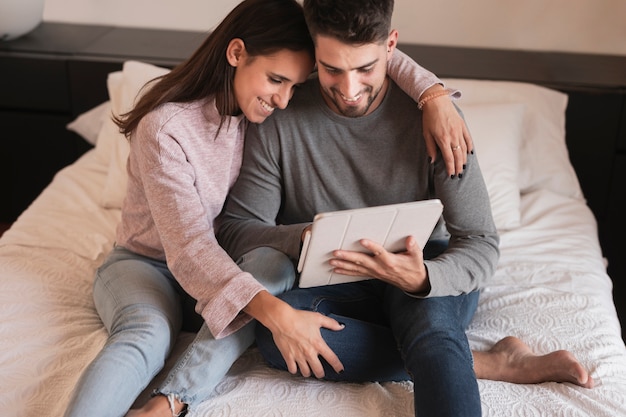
point(591, 26)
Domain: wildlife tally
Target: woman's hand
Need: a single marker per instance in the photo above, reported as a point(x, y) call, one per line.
point(444, 127)
point(296, 334)
point(300, 342)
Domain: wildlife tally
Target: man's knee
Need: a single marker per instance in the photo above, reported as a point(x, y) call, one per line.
point(267, 347)
point(270, 267)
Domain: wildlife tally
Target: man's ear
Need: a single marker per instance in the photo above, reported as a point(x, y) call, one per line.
point(392, 41)
point(235, 51)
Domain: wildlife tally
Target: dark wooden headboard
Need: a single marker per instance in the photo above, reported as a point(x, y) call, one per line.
point(59, 70)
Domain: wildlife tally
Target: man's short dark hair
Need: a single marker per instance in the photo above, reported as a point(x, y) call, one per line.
point(350, 21)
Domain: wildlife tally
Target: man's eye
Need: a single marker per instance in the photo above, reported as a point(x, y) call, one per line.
point(276, 80)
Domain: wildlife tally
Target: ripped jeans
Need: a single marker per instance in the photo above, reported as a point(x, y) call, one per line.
point(141, 305)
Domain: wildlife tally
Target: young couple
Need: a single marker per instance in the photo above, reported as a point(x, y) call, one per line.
point(351, 137)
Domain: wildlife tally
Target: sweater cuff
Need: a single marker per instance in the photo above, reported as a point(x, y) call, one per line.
point(223, 315)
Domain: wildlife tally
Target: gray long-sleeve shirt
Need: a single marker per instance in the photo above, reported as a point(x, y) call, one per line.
point(308, 159)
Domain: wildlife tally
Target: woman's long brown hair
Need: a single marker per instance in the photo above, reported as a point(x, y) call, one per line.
point(265, 26)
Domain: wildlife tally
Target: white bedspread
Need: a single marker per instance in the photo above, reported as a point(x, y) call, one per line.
point(551, 290)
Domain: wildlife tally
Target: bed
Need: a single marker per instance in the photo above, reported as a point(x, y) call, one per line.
point(551, 287)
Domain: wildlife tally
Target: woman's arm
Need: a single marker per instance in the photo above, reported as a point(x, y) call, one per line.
point(443, 125)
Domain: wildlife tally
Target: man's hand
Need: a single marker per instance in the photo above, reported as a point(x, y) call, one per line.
point(405, 270)
point(444, 127)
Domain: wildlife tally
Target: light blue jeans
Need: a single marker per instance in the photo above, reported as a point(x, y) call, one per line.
point(141, 305)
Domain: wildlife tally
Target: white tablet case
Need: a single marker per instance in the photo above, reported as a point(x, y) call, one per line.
point(388, 225)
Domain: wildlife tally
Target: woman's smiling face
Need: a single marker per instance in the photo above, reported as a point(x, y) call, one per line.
point(263, 83)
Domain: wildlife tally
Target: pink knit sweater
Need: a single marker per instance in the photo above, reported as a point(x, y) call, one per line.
point(179, 173)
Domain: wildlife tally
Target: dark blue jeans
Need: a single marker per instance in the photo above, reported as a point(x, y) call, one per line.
point(390, 336)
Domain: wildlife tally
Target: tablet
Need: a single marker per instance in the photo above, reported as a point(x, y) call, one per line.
point(387, 225)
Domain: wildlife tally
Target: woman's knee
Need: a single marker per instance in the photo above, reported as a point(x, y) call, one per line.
point(140, 339)
point(270, 267)
point(130, 287)
point(143, 336)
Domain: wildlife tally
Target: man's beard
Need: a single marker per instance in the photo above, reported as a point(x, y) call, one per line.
point(352, 111)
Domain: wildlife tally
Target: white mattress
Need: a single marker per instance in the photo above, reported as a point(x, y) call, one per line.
point(551, 290)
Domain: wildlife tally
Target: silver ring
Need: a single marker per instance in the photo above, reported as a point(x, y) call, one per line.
point(456, 148)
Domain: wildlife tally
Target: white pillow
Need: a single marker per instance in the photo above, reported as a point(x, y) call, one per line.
point(544, 158)
point(497, 132)
point(124, 88)
point(110, 140)
point(89, 123)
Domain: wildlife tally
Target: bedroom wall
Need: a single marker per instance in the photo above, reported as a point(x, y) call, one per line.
point(590, 26)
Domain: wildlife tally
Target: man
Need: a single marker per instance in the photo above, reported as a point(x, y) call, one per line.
point(349, 139)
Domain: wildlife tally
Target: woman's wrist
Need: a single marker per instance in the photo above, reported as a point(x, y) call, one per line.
point(264, 307)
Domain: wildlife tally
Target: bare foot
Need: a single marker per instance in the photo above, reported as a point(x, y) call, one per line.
point(511, 360)
point(157, 406)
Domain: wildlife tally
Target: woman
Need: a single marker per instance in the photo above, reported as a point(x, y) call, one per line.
point(186, 135)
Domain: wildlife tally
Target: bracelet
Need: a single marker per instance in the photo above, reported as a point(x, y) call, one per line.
point(420, 104)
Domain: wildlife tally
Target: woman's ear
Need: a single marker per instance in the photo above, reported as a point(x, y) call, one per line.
point(235, 51)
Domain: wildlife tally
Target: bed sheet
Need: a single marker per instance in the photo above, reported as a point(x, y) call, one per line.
point(550, 289)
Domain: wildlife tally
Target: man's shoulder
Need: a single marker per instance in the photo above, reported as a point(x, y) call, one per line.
point(399, 104)
point(397, 92)
point(306, 92)
point(303, 101)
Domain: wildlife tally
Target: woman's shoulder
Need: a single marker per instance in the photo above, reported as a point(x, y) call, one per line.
point(173, 115)
point(168, 111)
